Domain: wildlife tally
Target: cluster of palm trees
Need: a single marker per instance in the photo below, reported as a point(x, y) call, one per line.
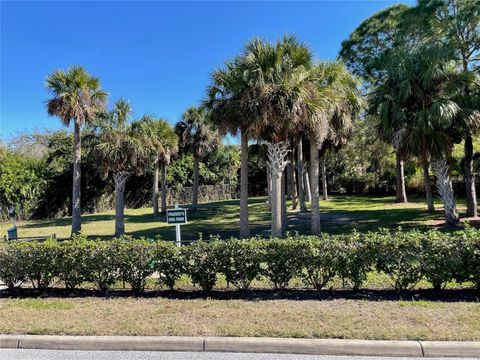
point(122, 147)
point(277, 93)
point(272, 92)
point(422, 109)
point(420, 66)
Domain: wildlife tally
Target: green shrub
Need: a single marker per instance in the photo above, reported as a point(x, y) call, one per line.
point(240, 261)
point(168, 262)
point(103, 263)
point(41, 262)
point(319, 259)
point(73, 261)
point(405, 257)
point(399, 255)
point(135, 261)
point(356, 256)
point(470, 255)
point(13, 270)
point(441, 257)
point(201, 261)
point(282, 259)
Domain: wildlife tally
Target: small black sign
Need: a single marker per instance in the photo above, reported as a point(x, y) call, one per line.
point(177, 216)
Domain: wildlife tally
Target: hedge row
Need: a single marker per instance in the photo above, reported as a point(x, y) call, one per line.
point(405, 256)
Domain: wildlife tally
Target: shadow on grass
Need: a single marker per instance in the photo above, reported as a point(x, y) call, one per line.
point(450, 295)
point(341, 214)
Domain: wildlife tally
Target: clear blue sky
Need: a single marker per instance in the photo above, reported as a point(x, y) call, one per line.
point(158, 55)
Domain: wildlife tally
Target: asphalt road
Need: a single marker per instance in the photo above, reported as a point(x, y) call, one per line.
point(24, 354)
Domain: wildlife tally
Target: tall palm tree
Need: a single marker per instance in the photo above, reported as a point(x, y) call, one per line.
point(77, 97)
point(121, 151)
point(278, 74)
point(301, 174)
point(197, 136)
point(162, 141)
point(338, 103)
point(228, 101)
point(456, 24)
point(416, 104)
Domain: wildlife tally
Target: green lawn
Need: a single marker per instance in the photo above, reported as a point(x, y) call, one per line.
point(340, 214)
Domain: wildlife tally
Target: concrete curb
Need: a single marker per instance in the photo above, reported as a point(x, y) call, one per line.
point(315, 346)
point(246, 345)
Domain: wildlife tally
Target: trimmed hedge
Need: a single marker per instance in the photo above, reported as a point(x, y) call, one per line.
point(405, 256)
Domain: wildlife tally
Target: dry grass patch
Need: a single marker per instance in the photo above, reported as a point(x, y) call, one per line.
point(340, 318)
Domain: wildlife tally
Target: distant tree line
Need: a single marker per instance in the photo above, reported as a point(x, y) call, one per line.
point(36, 175)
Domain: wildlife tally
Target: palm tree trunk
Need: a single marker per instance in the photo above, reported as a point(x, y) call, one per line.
point(324, 178)
point(77, 180)
point(155, 189)
point(269, 189)
point(315, 208)
point(470, 179)
point(444, 186)
point(301, 175)
point(428, 187)
point(401, 196)
point(120, 180)
point(195, 181)
point(293, 184)
point(284, 201)
point(163, 188)
point(277, 153)
point(276, 226)
point(244, 230)
point(306, 179)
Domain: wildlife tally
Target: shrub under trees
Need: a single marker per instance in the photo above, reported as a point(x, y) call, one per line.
point(406, 257)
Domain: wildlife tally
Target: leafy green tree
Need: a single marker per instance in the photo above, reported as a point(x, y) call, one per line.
point(368, 47)
point(197, 136)
point(77, 97)
point(365, 164)
point(224, 164)
point(22, 182)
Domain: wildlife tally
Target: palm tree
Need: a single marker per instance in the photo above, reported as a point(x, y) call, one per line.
point(416, 104)
point(121, 151)
point(301, 174)
point(278, 75)
point(199, 137)
point(228, 101)
point(455, 23)
point(77, 97)
point(339, 102)
point(161, 140)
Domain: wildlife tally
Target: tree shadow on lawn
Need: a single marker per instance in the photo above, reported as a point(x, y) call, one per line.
point(67, 221)
point(342, 214)
point(450, 295)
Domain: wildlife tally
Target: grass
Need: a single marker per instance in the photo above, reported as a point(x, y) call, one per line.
point(340, 214)
point(336, 318)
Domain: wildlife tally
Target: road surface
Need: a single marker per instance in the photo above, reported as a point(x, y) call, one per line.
point(25, 354)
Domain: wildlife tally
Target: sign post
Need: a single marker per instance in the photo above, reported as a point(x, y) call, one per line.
point(177, 216)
